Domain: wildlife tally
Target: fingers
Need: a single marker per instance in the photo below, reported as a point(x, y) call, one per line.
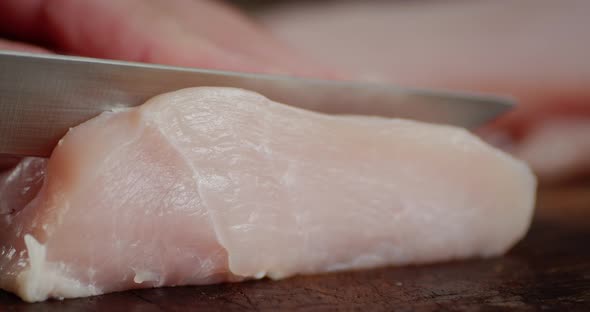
point(230, 30)
point(21, 19)
point(124, 30)
point(182, 32)
point(21, 47)
point(203, 34)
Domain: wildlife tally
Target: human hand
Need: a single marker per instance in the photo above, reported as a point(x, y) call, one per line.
point(202, 33)
point(205, 34)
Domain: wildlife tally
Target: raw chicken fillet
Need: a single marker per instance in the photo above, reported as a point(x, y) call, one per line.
point(207, 185)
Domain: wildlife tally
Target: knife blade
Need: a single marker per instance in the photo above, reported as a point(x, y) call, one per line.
point(42, 96)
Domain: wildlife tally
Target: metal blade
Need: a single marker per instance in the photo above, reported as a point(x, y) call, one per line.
point(42, 96)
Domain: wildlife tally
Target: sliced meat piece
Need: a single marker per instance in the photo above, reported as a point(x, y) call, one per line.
point(207, 185)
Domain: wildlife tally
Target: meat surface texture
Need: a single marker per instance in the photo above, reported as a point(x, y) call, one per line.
point(207, 185)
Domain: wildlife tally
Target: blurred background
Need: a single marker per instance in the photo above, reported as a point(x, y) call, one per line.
point(534, 50)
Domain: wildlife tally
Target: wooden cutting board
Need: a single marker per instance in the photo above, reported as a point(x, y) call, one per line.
point(548, 270)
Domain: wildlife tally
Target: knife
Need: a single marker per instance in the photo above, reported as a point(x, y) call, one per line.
point(42, 96)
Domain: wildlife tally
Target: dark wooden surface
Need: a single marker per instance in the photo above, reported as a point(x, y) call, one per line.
point(548, 271)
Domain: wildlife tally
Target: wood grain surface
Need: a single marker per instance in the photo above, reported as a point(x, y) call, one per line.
point(548, 271)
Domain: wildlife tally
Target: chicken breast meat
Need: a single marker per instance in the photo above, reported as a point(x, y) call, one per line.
point(207, 185)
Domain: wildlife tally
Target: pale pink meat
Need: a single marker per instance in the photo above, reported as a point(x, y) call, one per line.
point(206, 185)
